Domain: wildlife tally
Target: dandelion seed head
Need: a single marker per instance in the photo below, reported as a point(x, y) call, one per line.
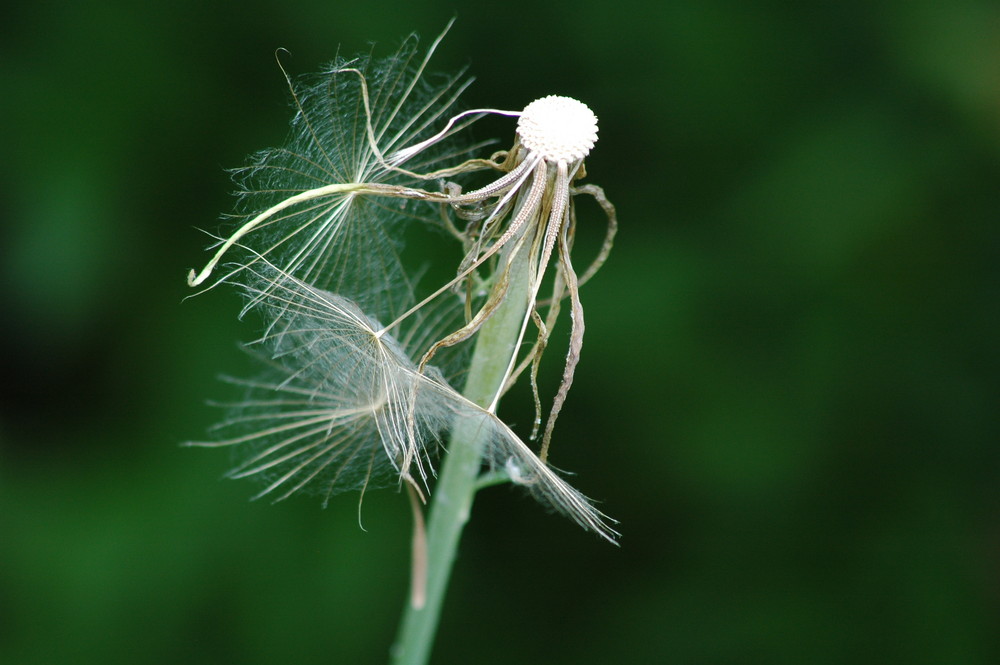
point(558, 128)
point(348, 400)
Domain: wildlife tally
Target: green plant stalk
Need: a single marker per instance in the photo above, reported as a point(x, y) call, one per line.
point(457, 483)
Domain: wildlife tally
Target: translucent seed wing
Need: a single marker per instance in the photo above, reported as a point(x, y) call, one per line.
point(344, 408)
point(298, 207)
point(334, 411)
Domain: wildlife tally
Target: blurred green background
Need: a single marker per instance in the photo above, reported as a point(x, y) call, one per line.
point(789, 388)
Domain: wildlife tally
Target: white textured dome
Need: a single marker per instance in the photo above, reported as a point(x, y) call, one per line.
point(558, 128)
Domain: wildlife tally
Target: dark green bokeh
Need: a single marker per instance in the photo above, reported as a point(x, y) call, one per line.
point(789, 388)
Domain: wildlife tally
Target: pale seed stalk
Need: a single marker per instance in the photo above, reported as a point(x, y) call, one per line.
point(458, 481)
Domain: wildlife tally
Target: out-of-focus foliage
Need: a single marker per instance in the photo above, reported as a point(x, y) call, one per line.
point(788, 392)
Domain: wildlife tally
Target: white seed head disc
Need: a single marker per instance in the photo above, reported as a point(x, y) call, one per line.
point(558, 128)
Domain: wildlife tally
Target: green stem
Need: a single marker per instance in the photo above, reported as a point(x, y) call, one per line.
point(457, 484)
